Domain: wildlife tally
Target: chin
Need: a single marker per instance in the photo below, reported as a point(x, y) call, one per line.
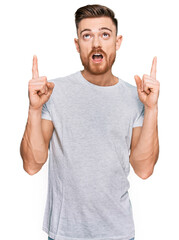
point(96, 70)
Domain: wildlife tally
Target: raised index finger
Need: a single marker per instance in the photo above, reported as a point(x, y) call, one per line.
point(35, 72)
point(154, 68)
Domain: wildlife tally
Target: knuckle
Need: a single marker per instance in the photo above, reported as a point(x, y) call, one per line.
point(30, 88)
point(143, 77)
point(30, 82)
point(44, 77)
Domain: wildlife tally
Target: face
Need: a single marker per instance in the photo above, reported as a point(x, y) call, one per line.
point(97, 44)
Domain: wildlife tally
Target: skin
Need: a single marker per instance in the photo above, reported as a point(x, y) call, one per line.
point(144, 144)
point(96, 40)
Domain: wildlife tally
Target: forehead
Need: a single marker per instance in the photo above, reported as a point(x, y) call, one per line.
point(95, 23)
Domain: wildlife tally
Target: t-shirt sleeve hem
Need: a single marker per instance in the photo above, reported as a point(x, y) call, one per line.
point(45, 114)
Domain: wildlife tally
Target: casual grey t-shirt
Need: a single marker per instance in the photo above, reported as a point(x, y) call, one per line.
point(89, 151)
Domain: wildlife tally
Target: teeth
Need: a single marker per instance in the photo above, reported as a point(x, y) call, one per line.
point(97, 54)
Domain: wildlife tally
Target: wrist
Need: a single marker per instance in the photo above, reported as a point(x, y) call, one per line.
point(153, 108)
point(34, 113)
point(32, 109)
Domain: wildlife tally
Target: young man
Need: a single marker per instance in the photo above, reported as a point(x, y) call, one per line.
point(91, 120)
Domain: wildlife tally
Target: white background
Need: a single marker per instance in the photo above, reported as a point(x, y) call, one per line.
point(47, 29)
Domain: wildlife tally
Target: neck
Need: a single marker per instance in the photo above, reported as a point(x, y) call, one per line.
point(105, 79)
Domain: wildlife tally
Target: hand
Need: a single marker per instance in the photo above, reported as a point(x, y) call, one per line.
point(39, 90)
point(148, 88)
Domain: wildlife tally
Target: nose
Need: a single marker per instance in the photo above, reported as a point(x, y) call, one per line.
point(96, 42)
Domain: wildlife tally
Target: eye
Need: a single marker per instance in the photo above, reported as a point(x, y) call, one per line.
point(106, 35)
point(86, 36)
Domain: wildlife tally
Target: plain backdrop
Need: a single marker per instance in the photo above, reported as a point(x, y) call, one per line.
point(47, 29)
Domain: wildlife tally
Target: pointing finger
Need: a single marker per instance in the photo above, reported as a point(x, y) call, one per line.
point(154, 68)
point(35, 72)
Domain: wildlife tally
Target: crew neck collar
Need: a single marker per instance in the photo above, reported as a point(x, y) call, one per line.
point(84, 80)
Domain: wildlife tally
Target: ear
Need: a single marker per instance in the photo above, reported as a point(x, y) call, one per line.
point(77, 45)
point(118, 41)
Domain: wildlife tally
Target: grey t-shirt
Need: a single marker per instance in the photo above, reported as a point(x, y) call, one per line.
point(87, 195)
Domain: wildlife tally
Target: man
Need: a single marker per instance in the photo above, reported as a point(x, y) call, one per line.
point(91, 120)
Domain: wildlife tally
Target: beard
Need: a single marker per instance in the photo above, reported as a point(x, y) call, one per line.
point(98, 68)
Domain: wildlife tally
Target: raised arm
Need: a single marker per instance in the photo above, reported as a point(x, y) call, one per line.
point(38, 132)
point(145, 142)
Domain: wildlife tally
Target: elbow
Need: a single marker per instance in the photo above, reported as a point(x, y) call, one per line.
point(145, 170)
point(30, 171)
point(145, 174)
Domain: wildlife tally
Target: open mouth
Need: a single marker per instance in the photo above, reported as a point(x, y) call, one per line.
point(97, 57)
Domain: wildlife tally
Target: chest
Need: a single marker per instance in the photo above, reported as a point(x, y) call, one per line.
point(95, 116)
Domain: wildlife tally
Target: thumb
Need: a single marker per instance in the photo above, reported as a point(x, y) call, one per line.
point(138, 82)
point(50, 85)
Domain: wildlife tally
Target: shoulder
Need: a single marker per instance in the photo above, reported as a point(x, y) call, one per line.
point(129, 89)
point(63, 80)
point(63, 84)
point(131, 94)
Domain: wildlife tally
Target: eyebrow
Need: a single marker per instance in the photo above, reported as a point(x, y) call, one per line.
point(87, 29)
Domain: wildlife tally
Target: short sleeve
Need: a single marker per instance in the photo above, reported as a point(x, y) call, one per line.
point(138, 121)
point(45, 112)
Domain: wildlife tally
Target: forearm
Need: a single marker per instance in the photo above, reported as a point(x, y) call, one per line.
point(33, 149)
point(145, 154)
